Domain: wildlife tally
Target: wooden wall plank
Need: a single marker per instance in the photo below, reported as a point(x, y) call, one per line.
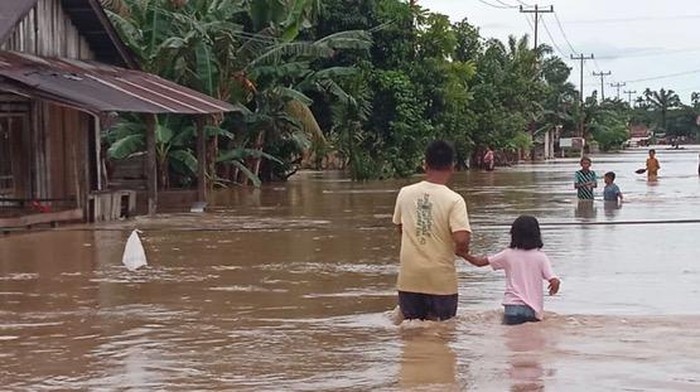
point(17, 128)
point(48, 31)
point(55, 153)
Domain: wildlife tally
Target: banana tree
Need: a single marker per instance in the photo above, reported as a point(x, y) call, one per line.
point(173, 152)
point(246, 52)
point(281, 119)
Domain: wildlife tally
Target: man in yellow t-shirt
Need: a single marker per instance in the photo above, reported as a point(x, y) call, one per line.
point(434, 228)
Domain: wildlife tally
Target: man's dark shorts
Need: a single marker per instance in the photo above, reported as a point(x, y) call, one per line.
point(427, 306)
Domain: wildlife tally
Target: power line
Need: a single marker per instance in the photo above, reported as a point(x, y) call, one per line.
point(629, 95)
point(651, 54)
point(588, 69)
point(506, 5)
point(634, 19)
point(549, 34)
point(563, 33)
point(501, 7)
point(667, 76)
point(529, 23)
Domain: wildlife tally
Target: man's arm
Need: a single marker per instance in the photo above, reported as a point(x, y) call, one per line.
point(461, 239)
point(479, 261)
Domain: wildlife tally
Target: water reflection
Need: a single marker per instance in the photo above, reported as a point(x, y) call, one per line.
point(427, 360)
point(525, 343)
point(612, 208)
point(585, 209)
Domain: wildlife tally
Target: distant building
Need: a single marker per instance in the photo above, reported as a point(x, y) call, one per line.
point(640, 136)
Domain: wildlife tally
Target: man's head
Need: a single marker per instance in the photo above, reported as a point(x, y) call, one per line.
point(439, 156)
point(652, 152)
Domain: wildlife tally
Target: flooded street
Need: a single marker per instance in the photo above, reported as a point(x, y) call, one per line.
point(289, 288)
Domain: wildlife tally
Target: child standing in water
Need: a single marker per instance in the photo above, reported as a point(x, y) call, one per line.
point(526, 266)
point(652, 166)
point(585, 180)
point(611, 192)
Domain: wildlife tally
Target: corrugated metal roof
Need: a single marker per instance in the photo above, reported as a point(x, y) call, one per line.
point(100, 88)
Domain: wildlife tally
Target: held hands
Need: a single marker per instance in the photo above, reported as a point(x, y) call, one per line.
point(477, 261)
point(554, 286)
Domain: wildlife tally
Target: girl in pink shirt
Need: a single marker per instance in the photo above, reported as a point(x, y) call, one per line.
point(526, 266)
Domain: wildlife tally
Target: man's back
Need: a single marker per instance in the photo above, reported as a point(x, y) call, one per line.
point(429, 213)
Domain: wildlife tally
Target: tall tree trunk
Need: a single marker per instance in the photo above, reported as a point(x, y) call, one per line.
point(151, 164)
point(163, 182)
point(259, 143)
point(663, 119)
point(212, 153)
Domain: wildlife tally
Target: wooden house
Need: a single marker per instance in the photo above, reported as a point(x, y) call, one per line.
point(64, 73)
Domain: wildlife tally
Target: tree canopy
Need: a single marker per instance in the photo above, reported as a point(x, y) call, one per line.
point(364, 83)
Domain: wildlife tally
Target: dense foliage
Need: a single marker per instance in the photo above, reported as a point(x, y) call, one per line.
point(361, 85)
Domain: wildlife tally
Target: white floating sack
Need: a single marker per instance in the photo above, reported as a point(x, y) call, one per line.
point(134, 256)
point(395, 315)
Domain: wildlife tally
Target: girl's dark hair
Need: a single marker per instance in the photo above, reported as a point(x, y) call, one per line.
point(525, 233)
point(440, 155)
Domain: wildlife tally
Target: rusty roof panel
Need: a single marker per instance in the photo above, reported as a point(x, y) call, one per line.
point(102, 88)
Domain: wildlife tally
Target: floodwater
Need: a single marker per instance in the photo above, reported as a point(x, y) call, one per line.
point(291, 287)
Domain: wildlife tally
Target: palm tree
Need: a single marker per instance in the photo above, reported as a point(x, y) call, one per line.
point(662, 101)
point(695, 99)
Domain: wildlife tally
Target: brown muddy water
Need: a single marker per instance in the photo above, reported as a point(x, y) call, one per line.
point(289, 288)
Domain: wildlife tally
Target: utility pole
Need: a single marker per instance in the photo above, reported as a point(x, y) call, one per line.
point(629, 95)
point(618, 85)
point(537, 11)
point(581, 58)
point(602, 82)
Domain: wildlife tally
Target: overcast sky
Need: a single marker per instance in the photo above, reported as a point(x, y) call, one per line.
point(635, 39)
